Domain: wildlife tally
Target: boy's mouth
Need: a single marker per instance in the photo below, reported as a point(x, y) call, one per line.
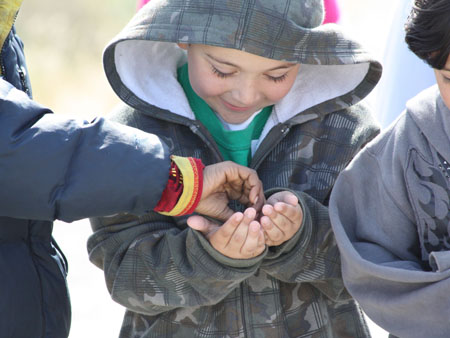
point(235, 108)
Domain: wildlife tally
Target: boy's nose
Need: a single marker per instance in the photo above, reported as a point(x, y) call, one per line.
point(247, 94)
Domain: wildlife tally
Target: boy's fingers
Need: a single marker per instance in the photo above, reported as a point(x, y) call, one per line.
point(273, 222)
point(250, 246)
point(257, 197)
point(291, 199)
point(261, 239)
point(283, 196)
point(240, 234)
point(227, 230)
point(273, 233)
point(292, 212)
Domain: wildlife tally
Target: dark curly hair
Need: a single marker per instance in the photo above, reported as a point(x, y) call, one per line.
point(428, 31)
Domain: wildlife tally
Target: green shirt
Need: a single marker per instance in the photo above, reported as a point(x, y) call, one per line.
point(235, 145)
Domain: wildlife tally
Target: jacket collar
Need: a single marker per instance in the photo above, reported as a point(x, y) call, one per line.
point(8, 13)
point(432, 117)
point(148, 70)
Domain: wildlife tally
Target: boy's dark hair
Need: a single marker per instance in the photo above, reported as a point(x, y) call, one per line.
point(428, 31)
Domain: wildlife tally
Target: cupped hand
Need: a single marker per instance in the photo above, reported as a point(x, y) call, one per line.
point(227, 181)
point(240, 237)
point(281, 218)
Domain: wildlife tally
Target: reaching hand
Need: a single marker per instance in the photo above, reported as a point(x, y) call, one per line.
point(282, 217)
point(227, 181)
point(241, 237)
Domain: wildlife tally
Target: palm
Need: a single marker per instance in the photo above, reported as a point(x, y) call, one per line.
point(227, 181)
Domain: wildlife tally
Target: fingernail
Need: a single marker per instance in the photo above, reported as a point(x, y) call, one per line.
point(256, 200)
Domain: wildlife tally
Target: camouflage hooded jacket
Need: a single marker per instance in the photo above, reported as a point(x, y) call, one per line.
point(172, 282)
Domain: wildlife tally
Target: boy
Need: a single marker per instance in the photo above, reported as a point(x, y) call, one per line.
point(54, 167)
point(265, 85)
point(390, 207)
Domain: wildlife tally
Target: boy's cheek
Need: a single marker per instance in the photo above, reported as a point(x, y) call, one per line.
point(279, 91)
point(206, 87)
point(444, 88)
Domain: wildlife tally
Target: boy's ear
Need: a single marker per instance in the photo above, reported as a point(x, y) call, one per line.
point(183, 45)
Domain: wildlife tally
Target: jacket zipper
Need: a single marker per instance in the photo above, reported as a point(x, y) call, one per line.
point(21, 70)
point(2, 65)
point(199, 130)
point(268, 144)
point(265, 148)
point(262, 152)
point(244, 315)
point(23, 80)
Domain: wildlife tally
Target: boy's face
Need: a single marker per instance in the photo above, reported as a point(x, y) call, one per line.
point(236, 84)
point(443, 81)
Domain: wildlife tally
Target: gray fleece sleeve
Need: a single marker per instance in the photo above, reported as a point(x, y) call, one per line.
point(376, 231)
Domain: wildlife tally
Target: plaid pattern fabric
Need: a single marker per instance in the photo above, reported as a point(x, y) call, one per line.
point(174, 284)
point(282, 29)
point(170, 279)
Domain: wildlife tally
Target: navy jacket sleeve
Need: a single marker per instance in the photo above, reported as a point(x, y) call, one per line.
point(55, 167)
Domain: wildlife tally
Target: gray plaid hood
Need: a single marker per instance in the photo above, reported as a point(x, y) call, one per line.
point(336, 72)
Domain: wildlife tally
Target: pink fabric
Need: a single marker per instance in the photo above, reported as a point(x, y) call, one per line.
point(332, 13)
point(141, 3)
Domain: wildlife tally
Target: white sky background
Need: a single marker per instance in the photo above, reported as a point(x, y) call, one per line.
point(94, 314)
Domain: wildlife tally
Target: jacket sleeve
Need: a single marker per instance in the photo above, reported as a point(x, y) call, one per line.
point(376, 231)
point(54, 167)
point(153, 265)
point(310, 256)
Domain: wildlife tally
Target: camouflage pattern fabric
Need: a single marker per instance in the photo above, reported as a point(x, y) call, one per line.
point(172, 282)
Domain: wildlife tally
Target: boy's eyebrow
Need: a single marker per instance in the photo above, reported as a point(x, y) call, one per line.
point(287, 65)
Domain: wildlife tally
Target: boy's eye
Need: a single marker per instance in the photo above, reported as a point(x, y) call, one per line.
point(277, 78)
point(219, 73)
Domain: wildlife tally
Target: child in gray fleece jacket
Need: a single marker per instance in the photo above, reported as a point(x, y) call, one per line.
point(390, 207)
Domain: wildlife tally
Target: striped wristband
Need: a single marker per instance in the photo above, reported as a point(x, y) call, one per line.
point(184, 189)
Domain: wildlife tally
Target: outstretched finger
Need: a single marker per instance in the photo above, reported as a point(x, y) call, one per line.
point(256, 196)
point(227, 230)
point(273, 233)
point(240, 235)
point(251, 247)
point(292, 212)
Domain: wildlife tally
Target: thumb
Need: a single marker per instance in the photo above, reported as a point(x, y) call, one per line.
point(201, 224)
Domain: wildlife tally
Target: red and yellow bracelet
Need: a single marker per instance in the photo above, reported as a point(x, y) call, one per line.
point(184, 188)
